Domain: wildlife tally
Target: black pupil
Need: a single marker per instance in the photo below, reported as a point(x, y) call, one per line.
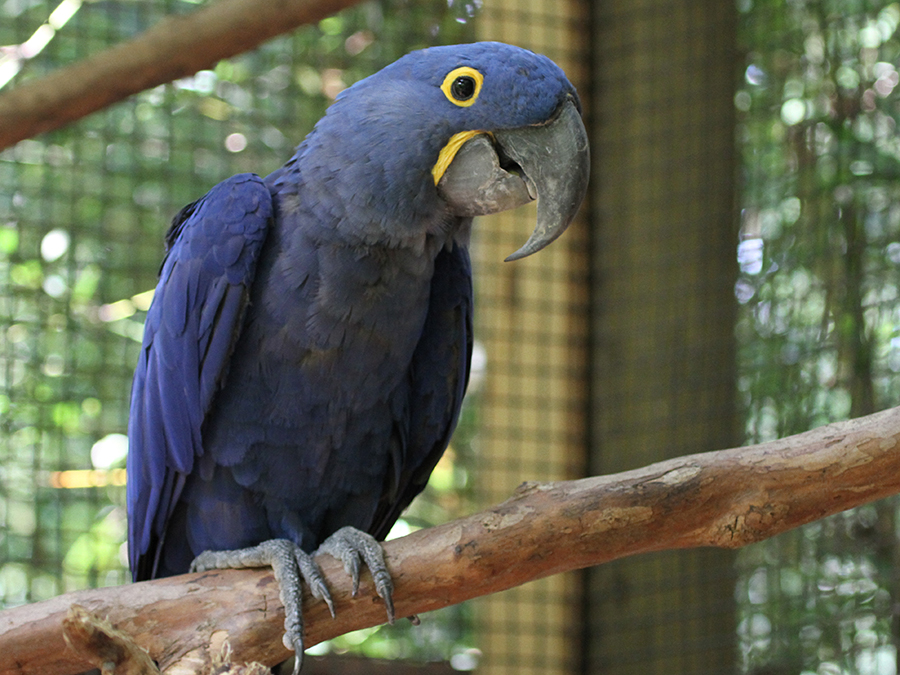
point(463, 88)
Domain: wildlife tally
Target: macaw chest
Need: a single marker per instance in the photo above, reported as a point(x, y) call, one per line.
point(319, 382)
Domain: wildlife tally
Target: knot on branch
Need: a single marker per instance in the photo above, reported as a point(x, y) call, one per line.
point(103, 646)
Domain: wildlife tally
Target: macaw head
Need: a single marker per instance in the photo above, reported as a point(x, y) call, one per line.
point(466, 129)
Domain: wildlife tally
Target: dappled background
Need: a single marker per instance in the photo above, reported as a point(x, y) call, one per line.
point(819, 321)
point(733, 279)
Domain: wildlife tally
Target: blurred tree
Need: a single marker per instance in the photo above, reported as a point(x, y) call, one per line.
point(818, 331)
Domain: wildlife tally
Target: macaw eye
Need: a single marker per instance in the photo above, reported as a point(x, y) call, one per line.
point(462, 86)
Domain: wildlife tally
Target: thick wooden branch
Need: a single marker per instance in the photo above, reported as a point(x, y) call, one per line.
point(727, 499)
point(178, 46)
point(99, 643)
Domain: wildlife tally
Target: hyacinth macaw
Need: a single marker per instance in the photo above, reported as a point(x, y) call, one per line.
point(307, 350)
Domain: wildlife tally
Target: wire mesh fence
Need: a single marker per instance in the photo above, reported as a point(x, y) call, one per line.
point(531, 318)
point(662, 314)
point(813, 315)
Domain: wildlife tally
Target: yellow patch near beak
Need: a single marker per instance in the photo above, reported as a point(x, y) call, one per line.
point(448, 152)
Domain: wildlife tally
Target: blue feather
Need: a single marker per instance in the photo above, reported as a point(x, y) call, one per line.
point(199, 304)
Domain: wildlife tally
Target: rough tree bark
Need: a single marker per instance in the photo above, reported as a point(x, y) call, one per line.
point(728, 498)
point(178, 46)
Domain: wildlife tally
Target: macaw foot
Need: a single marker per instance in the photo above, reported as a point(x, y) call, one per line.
point(290, 564)
point(293, 566)
point(349, 545)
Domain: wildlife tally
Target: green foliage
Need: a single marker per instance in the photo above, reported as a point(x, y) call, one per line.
point(818, 334)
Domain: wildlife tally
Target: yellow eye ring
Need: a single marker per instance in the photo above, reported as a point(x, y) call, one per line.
point(462, 86)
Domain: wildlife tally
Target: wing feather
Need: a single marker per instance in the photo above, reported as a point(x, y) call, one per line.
point(190, 332)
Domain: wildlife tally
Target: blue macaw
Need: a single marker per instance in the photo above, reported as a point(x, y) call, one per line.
point(307, 350)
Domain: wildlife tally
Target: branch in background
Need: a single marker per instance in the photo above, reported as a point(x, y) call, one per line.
point(178, 46)
point(727, 499)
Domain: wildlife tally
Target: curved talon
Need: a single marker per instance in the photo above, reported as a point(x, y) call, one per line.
point(351, 567)
point(298, 653)
point(312, 575)
point(349, 545)
point(384, 586)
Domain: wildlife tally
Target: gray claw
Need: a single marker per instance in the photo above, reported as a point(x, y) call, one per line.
point(312, 575)
point(290, 564)
point(349, 545)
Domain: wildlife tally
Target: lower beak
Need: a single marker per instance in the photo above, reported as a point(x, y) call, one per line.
point(550, 162)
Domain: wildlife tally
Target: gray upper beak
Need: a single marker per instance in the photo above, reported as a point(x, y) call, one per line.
point(556, 160)
point(550, 162)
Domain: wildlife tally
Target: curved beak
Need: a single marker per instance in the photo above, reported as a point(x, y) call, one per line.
point(555, 159)
point(493, 172)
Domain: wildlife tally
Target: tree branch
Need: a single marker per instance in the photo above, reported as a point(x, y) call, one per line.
point(106, 648)
point(728, 498)
point(178, 46)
